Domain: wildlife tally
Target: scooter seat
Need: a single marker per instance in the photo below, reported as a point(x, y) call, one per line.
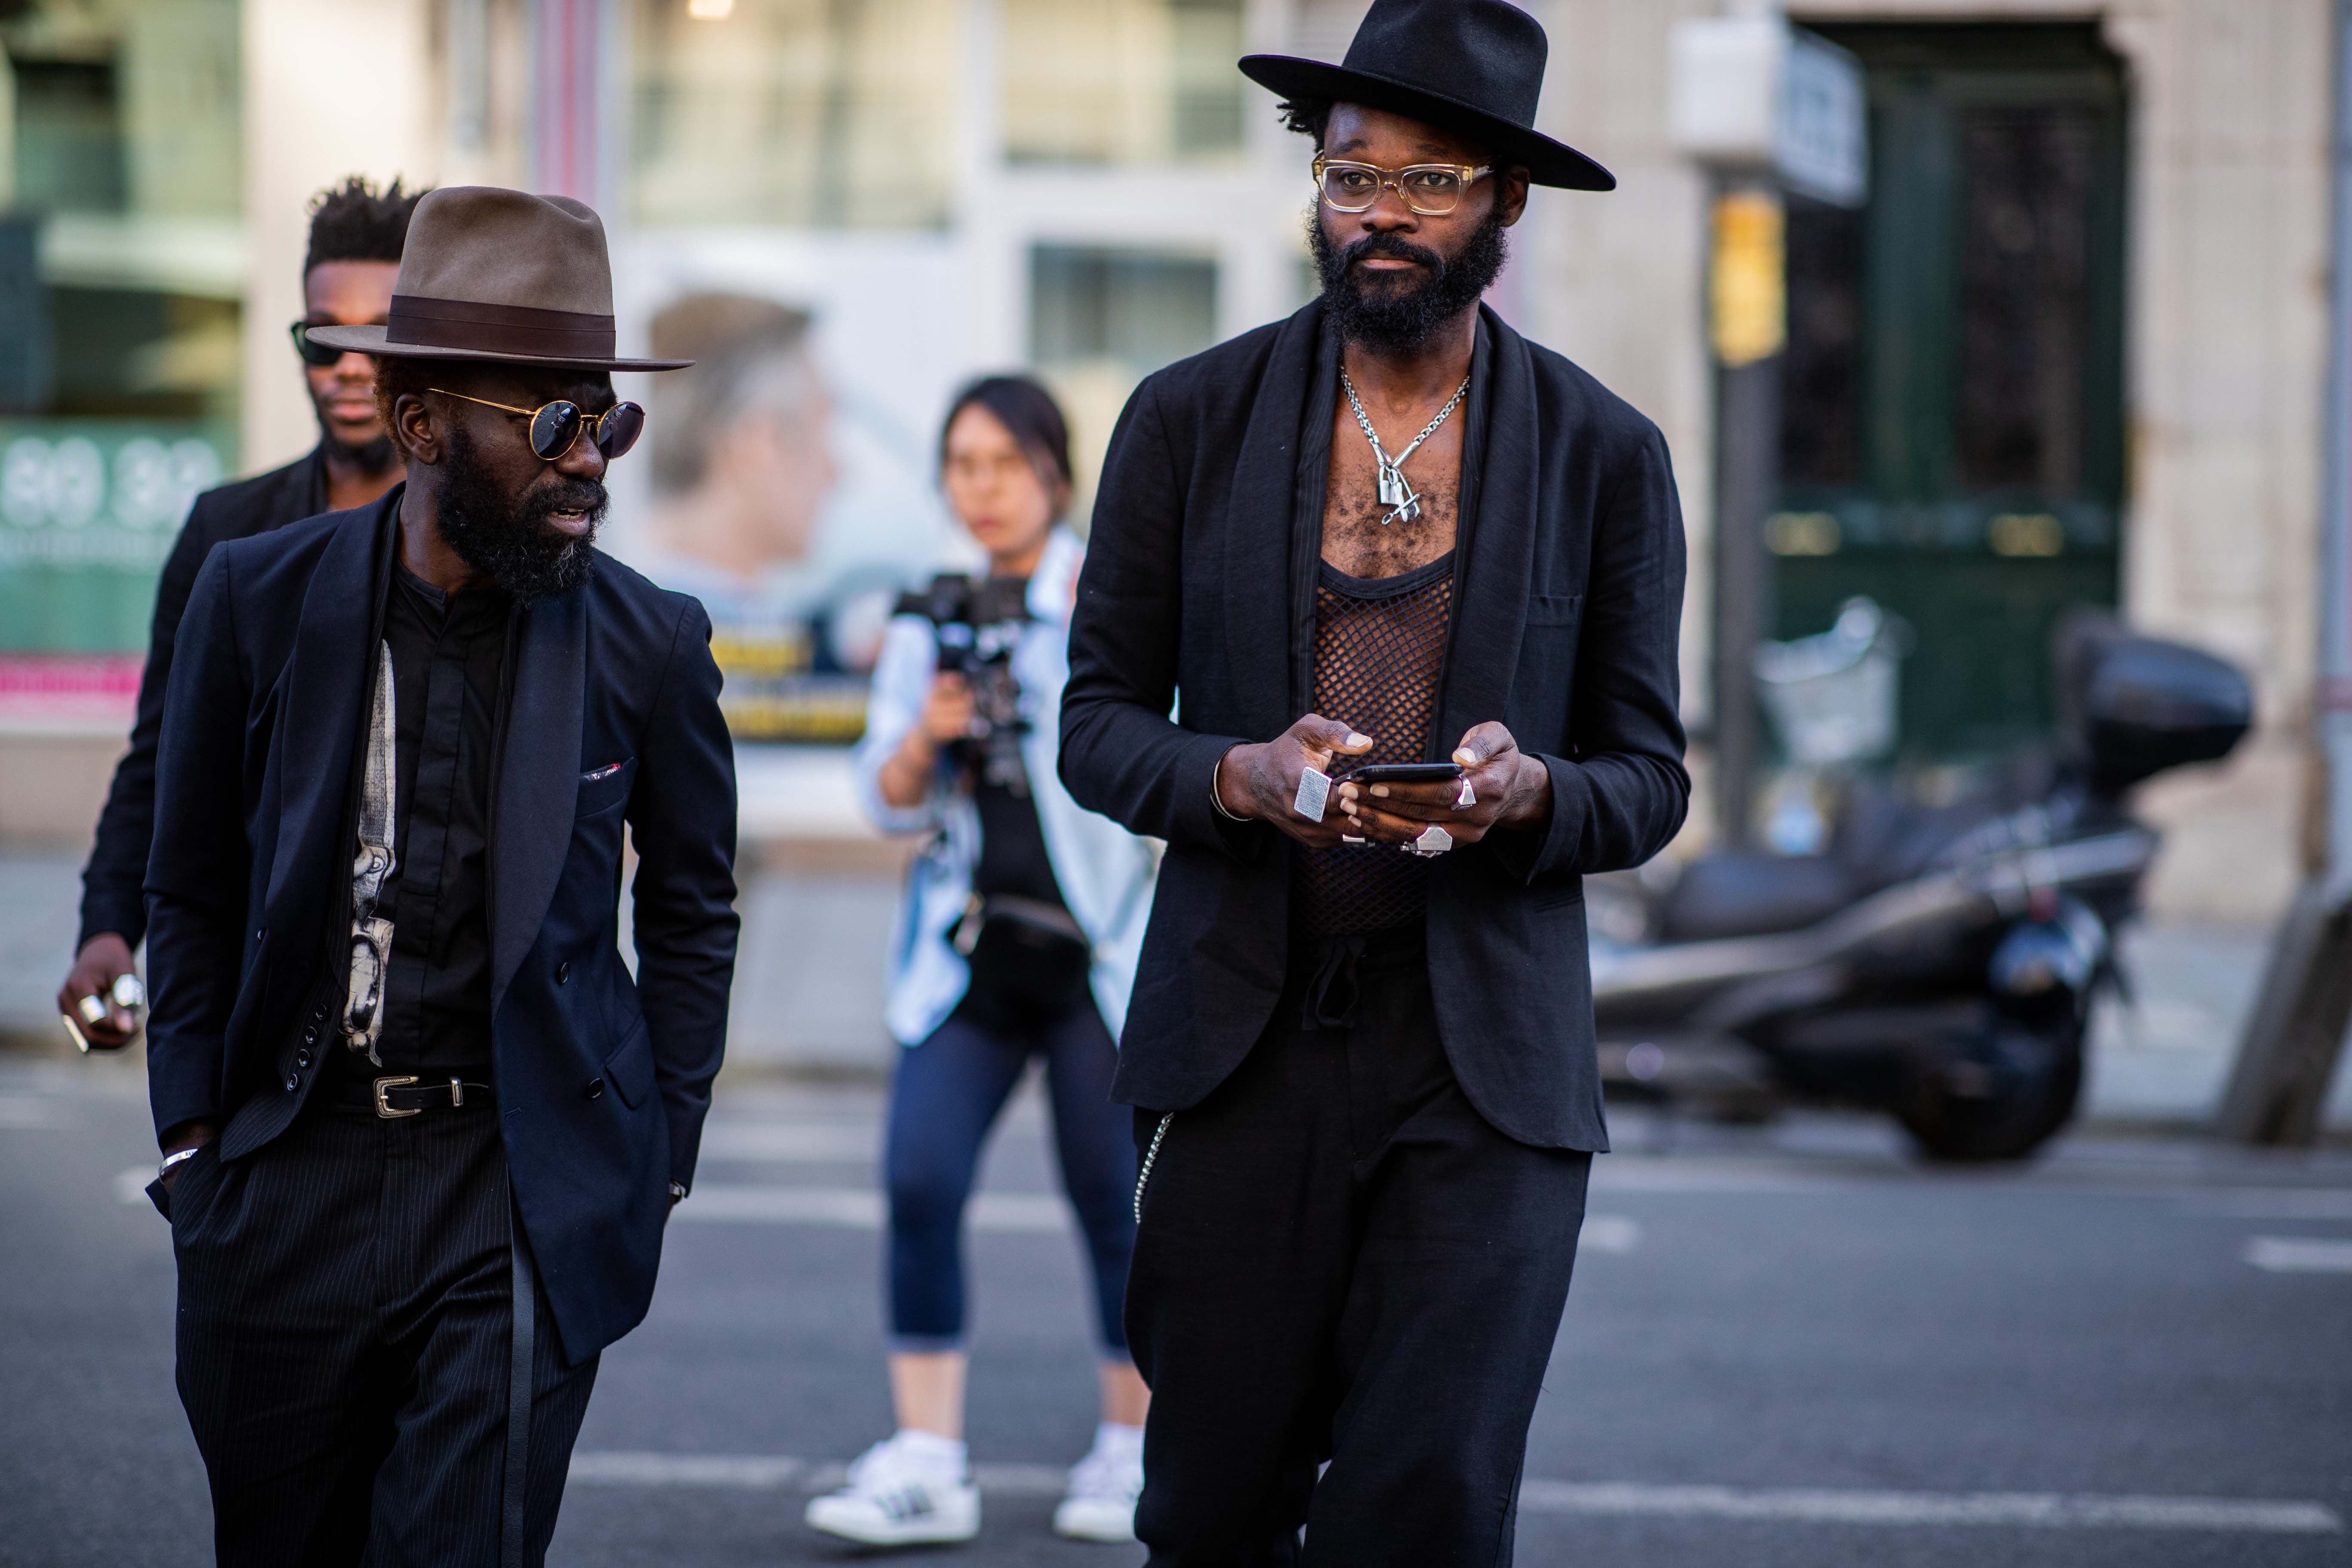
point(1753, 895)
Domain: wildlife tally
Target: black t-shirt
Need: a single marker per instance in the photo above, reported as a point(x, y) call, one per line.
point(449, 656)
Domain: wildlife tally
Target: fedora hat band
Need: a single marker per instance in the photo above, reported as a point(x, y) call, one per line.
point(422, 321)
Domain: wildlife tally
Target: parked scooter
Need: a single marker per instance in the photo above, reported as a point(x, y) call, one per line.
point(1937, 962)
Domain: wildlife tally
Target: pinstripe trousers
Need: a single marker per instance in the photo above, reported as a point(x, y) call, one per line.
point(344, 1337)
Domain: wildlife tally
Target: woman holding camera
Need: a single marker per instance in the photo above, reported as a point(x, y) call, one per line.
point(1018, 938)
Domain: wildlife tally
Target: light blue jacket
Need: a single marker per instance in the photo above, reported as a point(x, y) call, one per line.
point(1105, 872)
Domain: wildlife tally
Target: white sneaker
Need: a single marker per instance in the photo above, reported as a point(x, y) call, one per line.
point(1101, 1503)
point(911, 1489)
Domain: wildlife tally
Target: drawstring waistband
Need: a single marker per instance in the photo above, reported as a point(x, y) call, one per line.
point(1332, 995)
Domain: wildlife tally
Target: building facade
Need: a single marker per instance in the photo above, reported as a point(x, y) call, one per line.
point(2070, 351)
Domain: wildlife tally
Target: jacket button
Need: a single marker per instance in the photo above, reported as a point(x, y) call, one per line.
point(595, 1089)
point(292, 1083)
point(563, 973)
point(318, 1013)
point(302, 1057)
point(311, 1035)
point(260, 932)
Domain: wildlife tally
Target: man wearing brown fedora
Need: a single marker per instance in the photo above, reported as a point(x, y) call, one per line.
point(422, 1128)
point(1387, 532)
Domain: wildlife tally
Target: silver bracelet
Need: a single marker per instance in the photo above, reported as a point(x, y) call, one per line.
point(175, 1158)
point(1216, 796)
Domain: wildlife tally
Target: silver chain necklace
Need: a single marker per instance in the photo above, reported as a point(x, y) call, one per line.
point(1394, 491)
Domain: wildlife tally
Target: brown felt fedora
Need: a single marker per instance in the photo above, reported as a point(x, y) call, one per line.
point(502, 277)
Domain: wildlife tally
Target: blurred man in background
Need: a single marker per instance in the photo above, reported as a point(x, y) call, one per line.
point(356, 234)
point(743, 463)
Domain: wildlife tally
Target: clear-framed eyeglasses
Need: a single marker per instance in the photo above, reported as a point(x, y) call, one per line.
point(1433, 190)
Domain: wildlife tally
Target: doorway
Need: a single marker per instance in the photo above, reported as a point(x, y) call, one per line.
point(1952, 428)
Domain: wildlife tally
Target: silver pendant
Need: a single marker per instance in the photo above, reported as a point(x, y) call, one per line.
point(1405, 513)
point(1394, 491)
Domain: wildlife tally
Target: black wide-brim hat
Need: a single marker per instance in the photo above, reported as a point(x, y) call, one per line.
point(1474, 66)
point(499, 276)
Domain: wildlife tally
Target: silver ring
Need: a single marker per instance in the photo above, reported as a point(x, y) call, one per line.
point(1434, 840)
point(130, 992)
point(92, 1009)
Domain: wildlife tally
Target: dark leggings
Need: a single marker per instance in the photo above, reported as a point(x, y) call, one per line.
point(947, 1094)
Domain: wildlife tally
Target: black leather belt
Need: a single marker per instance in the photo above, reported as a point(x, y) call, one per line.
point(409, 1095)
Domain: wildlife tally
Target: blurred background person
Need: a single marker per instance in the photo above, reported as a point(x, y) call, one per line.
point(356, 234)
point(1017, 938)
point(742, 467)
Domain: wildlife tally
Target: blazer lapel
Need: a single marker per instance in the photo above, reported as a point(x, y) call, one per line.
point(1497, 535)
point(1258, 521)
point(328, 683)
point(537, 784)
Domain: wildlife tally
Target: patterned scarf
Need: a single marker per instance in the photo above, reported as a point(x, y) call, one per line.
point(372, 933)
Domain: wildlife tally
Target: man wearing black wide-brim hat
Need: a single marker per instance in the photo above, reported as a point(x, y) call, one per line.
point(422, 1128)
point(1361, 1047)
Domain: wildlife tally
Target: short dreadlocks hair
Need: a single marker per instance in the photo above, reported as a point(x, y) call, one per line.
point(355, 222)
point(1307, 116)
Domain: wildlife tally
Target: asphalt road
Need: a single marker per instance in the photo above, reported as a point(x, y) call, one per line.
point(1786, 1346)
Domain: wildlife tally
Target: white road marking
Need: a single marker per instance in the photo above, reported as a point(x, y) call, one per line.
point(1852, 1506)
point(1609, 1233)
point(27, 1112)
point(130, 1185)
point(800, 1141)
point(858, 1208)
point(753, 1472)
point(1787, 1505)
point(2274, 1202)
point(2299, 1255)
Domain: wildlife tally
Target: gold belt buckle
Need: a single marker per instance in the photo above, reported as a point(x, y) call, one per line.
point(383, 1107)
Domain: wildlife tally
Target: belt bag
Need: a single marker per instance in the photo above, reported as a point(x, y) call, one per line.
point(1029, 959)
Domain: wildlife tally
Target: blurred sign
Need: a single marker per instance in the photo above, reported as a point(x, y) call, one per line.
point(1749, 278)
point(88, 511)
point(1754, 93)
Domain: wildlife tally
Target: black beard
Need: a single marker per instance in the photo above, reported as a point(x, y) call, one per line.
point(373, 458)
point(508, 538)
point(1398, 321)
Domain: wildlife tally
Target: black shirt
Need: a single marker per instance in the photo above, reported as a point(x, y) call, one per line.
point(1013, 856)
point(448, 659)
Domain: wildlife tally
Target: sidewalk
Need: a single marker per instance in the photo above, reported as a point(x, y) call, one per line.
point(808, 989)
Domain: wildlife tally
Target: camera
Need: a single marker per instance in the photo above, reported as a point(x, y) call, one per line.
point(977, 624)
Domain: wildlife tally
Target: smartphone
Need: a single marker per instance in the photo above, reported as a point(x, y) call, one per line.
point(1405, 773)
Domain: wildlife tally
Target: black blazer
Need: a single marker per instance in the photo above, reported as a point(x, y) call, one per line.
point(113, 894)
point(252, 858)
point(1198, 596)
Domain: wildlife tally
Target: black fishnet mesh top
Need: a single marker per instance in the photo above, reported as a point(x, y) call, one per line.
point(1380, 650)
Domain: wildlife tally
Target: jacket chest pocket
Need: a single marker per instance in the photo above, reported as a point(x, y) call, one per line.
point(605, 789)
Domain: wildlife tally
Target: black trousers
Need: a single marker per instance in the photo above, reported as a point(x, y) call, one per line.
point(1339, 1259)
point(345, 1339)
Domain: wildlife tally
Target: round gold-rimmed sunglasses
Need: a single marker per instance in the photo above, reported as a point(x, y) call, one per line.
point(555, 427)
point(1433, 190)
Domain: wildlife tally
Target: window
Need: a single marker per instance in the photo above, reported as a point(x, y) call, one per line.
point(1101, 321)
point(1123, 81)
point(811, 113)
point(122, 278)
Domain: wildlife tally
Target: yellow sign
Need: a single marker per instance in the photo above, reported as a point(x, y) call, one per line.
point(1750, 287)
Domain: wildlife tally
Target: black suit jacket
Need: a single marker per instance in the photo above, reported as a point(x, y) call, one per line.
point(252, 860)
point(1198, 595)
point(113, 884)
